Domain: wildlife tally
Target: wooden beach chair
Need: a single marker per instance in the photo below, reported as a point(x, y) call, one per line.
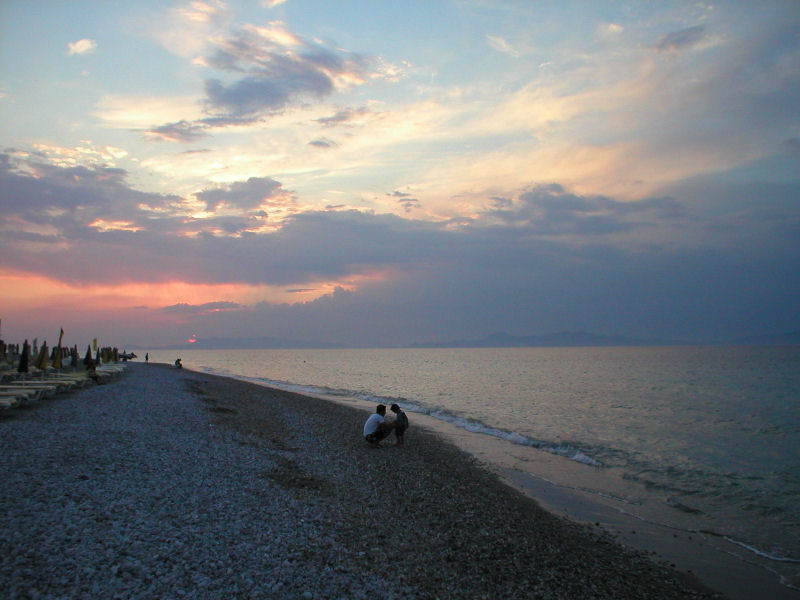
point(71, 380)
point(7, 402)
point(59, 385)
point(41, 389)
point(107, 371)
point(20, 396)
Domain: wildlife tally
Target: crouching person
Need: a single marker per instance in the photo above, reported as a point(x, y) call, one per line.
point(376, 428)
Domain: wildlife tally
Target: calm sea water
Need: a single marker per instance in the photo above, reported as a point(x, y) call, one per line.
point(711, 435)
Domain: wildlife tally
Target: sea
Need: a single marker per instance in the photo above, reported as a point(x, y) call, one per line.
point(698, 439)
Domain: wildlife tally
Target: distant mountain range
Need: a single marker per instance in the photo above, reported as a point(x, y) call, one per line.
point(495, 340)
point(582, 338)
point(783, 339)
point(563, 338)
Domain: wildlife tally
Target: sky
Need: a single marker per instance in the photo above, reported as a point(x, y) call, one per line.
point(389, 173)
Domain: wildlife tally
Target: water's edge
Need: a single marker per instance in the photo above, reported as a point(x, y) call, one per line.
point(735, 569)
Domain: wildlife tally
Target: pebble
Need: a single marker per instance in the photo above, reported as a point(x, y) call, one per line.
point(136, 489)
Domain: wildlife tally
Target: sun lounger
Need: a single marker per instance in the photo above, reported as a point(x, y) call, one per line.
point(7, 402)
point(46, 383)
point(20, 395)
point(70, 380)
point(42, 389)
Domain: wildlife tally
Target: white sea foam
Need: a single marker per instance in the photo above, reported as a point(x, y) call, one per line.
point(759, 552)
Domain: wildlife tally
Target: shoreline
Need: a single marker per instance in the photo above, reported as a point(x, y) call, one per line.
point(168, 482)
point(723, 565)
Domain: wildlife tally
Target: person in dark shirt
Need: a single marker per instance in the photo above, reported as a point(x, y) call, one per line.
point(400, 424)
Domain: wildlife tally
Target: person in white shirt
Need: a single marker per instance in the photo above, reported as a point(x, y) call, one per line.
point(376, 428)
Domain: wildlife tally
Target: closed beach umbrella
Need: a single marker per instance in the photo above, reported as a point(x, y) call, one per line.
point(73, 355)
point(23, 359)
point(87, 360)
point(57, 351)
point(41, 360)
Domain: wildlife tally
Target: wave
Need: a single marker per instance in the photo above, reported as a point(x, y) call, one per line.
point(762, 553)
point(565, 450)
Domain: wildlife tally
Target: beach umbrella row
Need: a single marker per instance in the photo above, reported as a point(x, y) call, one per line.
point(40, 358)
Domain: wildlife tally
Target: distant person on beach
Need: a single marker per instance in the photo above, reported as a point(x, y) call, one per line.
point(400, 424)
point(376, 428)
point(147, 357)
point(178, 363)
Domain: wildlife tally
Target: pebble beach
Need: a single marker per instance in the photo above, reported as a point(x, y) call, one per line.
point(167, 483)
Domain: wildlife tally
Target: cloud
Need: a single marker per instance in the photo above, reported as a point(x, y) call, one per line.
point(245, 195)
point(610, 29)
point(322, 143)
point(681, 40)
point(276, 68)
point(187, 29)
point(82, 46)
point(501, 45)
point(540, 259)
point(271, 3)
point(265, 70)
point(343, 116)
point(195, 151)
point(183, 308)
point(181, 131)
point(551, 210)
point(405, 200)
point(140, 112)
